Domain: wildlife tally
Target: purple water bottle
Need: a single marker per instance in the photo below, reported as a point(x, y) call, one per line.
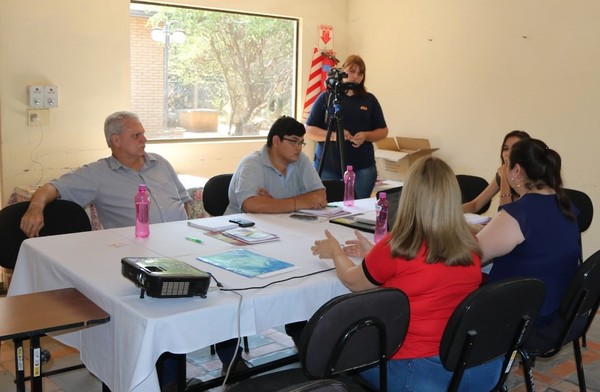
point(142, 205)
point(349, 178)
point(381, 217)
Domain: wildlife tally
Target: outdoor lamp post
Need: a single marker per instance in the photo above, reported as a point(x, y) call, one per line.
point(166, 35)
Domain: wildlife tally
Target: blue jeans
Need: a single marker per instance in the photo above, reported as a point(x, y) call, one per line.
point(428, 374)
point(364, 183)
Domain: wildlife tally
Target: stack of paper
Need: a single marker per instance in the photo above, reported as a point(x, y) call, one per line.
point(250, 235)
point(215, 223)
point(330, 211)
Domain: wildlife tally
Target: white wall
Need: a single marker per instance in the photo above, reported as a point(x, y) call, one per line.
point(463, 73)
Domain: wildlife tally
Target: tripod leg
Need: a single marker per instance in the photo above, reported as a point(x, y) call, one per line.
point(337, 117)
point(325, 147)
point(340, 135)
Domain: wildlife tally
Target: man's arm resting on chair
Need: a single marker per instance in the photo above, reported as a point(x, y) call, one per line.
point(33, 219)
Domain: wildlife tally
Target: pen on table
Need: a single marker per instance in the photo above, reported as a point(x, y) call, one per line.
point(194, 239)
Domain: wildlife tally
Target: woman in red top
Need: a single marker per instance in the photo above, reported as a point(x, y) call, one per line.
point(433, 257)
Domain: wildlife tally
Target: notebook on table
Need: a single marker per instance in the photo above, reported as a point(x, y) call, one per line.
point(366, 222)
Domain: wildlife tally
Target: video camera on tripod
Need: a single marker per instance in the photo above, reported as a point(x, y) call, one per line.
point(336, 89)
point(335, 82)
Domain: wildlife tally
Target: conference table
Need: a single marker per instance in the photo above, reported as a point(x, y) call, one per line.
point(123, 352)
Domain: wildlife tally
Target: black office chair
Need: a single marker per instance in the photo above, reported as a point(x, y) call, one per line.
point(325, 385)
point(585, 206)
point(577, 309)
point(334, 190)
point(491, 322)
point(471, 187)
point(60, 217)
point(215, 194)
point(586, 213)
point(347, 333)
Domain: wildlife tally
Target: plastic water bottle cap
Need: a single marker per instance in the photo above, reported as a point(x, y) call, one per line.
point(348, 167)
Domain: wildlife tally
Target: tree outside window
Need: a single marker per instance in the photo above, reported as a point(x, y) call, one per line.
point(231, 76)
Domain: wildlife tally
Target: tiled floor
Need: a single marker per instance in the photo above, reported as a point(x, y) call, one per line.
point(551, 375)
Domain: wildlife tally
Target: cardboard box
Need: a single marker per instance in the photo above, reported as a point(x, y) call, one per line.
point(395, 155)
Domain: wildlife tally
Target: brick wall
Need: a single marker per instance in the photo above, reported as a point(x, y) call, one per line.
point(146, 75)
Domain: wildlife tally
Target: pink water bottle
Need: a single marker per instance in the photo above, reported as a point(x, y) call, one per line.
point(349, 178)
point(381, 217)
point(142, 206)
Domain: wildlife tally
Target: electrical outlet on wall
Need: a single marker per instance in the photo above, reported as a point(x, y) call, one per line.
point(38, 117)
point(50, 96)
point(36, 96)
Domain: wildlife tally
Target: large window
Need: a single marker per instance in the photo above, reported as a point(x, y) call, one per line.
point(199, 73)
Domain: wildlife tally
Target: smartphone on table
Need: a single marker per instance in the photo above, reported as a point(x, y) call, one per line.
point(242, 222)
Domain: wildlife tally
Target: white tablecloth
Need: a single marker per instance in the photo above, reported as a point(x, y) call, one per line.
point(123, 352)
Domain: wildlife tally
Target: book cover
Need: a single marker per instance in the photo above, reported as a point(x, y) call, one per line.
point(246, 263)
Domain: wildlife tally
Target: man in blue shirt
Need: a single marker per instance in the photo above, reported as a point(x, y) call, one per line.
point(278, 178)
point(111, 183)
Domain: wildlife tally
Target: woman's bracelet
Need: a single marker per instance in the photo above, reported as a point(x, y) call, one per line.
point(506, 195)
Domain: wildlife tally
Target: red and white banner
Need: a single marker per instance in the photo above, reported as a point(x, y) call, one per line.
point(321, 63)
point(322, 60)
point(315, 86)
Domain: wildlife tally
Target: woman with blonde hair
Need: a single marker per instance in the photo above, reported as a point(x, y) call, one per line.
point(432, 256)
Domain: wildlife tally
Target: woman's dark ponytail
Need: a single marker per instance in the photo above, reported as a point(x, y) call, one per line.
point(543, 166)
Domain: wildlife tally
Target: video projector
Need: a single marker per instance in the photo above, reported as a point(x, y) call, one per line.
point(163, 277)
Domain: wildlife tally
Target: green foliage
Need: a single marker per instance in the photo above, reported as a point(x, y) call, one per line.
point(236, 61)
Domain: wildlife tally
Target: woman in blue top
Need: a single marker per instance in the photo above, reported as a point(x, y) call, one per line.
point(363, 124)
point(537, 235)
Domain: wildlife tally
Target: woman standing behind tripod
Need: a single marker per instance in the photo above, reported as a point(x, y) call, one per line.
point(363, 124)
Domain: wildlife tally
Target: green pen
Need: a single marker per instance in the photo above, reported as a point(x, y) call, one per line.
point(194, 239)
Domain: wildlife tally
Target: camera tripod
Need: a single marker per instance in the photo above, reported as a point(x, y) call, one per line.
point(339, 129)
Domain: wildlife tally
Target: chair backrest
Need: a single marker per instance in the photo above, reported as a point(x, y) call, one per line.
point(585, 206)
point(491, 322)
point(471, 187)
point(325, 385)
point(215, 195)
point(60, 217)
point(354, 330)
point(580, 302)
point(334, 190)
